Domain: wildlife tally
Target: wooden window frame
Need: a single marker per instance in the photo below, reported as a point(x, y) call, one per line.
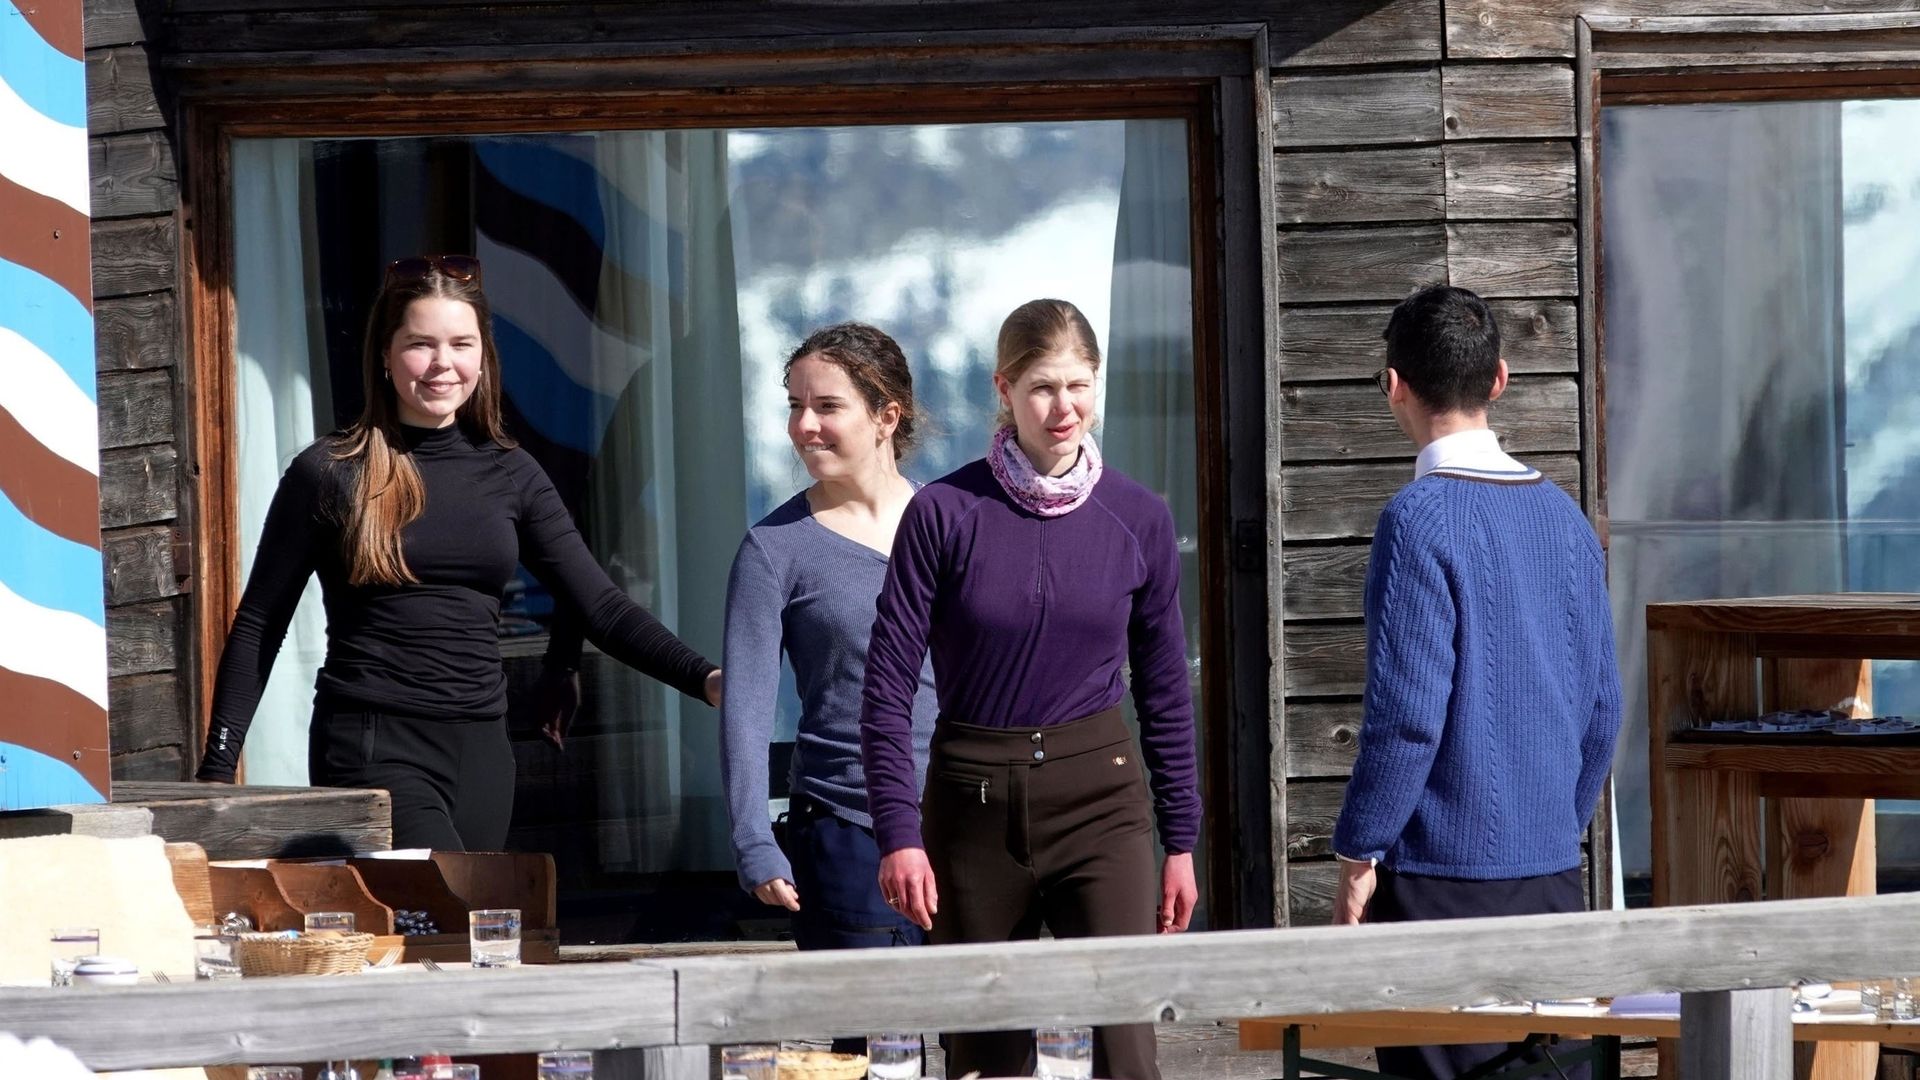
point(1680, 59)
point(1215, 77)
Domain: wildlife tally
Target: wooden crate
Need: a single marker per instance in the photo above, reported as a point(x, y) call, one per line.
point(279, 894)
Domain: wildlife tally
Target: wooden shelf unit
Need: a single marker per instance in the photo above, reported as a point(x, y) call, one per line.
point(1748, 817)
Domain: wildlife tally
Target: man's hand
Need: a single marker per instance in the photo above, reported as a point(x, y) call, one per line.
point(715, 684)
point(906, 883)
point(778, 892)
point(1357, 881)
point(1178, 893)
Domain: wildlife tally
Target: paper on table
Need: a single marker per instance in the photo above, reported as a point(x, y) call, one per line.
point(1646, 1005)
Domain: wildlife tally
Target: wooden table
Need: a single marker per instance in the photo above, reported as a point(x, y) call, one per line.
point(1716, 795)
point(1437, 1027)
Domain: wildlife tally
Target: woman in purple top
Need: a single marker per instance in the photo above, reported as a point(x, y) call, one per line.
point(1035, 577)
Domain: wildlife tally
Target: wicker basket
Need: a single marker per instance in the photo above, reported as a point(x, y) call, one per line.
point(821, 1065)
point(326, 954)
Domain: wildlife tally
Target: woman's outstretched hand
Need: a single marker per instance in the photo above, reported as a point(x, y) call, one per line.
point(906, 883)
point(556, 700)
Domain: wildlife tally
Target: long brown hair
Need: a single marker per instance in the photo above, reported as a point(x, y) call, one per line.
point(387, 493)
point(1040, 328)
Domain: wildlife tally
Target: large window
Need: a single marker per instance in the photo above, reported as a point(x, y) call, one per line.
point(647, 287)
point(1762, 331)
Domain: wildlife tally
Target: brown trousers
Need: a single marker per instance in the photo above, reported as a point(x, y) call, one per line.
point(1050, 825)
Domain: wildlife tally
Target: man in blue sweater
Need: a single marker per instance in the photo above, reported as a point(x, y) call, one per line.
point(1492, 695)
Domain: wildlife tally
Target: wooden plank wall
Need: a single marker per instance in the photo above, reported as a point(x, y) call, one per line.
point(1418, 141)
point(1390, 177)
point(136, 238)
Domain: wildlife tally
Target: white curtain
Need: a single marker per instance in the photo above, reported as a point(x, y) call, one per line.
point(1724, 383)
point(668, 481)
point(277, 399)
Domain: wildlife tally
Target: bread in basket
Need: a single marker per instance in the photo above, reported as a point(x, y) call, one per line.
point(821, 1065)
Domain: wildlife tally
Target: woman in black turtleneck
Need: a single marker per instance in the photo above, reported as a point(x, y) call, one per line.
point(414, 518)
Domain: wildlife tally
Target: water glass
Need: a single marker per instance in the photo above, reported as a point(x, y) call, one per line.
point(493, 937)
point(1870, 996)
point(213, 955)
point(1063, 1053)
point(69, 944)
point(338, 1070)
point(755, 1062)
point(275, 1072)
point(565, 1065)
point(893, 1055)
point(329, 922)
point(1901, 993)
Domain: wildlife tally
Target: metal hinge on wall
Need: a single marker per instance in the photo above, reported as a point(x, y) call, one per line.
point(182, 543)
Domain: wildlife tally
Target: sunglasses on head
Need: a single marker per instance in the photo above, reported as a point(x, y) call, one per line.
point(415, 267)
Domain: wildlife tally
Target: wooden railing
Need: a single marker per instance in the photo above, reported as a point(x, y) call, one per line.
point(1726, 960)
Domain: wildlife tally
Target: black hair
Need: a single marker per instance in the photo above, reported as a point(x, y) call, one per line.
point(1444, 344)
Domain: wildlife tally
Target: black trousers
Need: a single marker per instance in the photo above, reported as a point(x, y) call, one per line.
point(451, 780)
point(1053, 825)
point(1413, 898)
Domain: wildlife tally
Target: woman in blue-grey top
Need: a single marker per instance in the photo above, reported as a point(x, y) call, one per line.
point(804, 583)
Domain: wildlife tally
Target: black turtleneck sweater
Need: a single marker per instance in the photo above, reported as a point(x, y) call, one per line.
point(429, 649)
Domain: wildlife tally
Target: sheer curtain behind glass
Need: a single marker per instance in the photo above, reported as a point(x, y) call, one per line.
point(1724, 372)
point(277, 400)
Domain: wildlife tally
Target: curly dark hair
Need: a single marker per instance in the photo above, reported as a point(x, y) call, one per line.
point(877, 368)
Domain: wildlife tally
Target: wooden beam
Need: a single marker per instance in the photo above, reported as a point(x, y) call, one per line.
point(1537, 337)
point(138, 485)
point(1324, 582)
point(1325, 659)
point(1353, 110)
point(1313, 807)
point(135, 408)
point(135, 255)
point(139, 564)
point(120, 93)
point(133, 174)
point(1510, 180)
point(239, 822)
point(1403, 184)
point(209, 32)
point(1494, 29)
point(1322, 738)
point(1348, 422)
point(133, 333)
point(1508, 101)
point(1514, 258)
point(143, 637)
point(1341, 264)
point(1342, 502)
point(1737, 1035)
point(314, 1018)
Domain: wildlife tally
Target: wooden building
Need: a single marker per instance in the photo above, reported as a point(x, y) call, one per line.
point(1341, 153)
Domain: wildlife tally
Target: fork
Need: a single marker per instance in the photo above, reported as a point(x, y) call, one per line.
point(429, 963)
point(161, 977)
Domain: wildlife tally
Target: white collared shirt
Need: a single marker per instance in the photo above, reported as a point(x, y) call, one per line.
point(1473, 454)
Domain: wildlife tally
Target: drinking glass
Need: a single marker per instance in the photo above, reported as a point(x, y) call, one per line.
point(275, 1072)
point(1870, 996)
point(493, 937)
point(893, 1055)
point(1901, 993)
point(213, 955)
point(565, 1065)
point(1063, 1053)
point(753, 1062)
point(329, 922)
point(338, 1070)
point(70, 943)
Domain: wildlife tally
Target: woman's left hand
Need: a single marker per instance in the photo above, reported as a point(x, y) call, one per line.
point(1178, 893)
point(713, 688)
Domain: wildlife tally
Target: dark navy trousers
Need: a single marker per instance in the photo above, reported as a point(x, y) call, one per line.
point(1414, 898)
point(836, 871)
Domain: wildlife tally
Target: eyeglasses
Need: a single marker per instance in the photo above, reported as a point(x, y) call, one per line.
point(1380, 379)
point(415, 267)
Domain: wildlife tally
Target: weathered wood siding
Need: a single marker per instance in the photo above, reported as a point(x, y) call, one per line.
point(1459, 171)
point(1418, 141)
point(143, 429)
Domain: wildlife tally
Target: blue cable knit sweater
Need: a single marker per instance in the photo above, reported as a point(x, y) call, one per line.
point(1492, 696)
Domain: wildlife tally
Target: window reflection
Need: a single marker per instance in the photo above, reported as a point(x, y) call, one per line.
point(1762, 339)
point(647, 286)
